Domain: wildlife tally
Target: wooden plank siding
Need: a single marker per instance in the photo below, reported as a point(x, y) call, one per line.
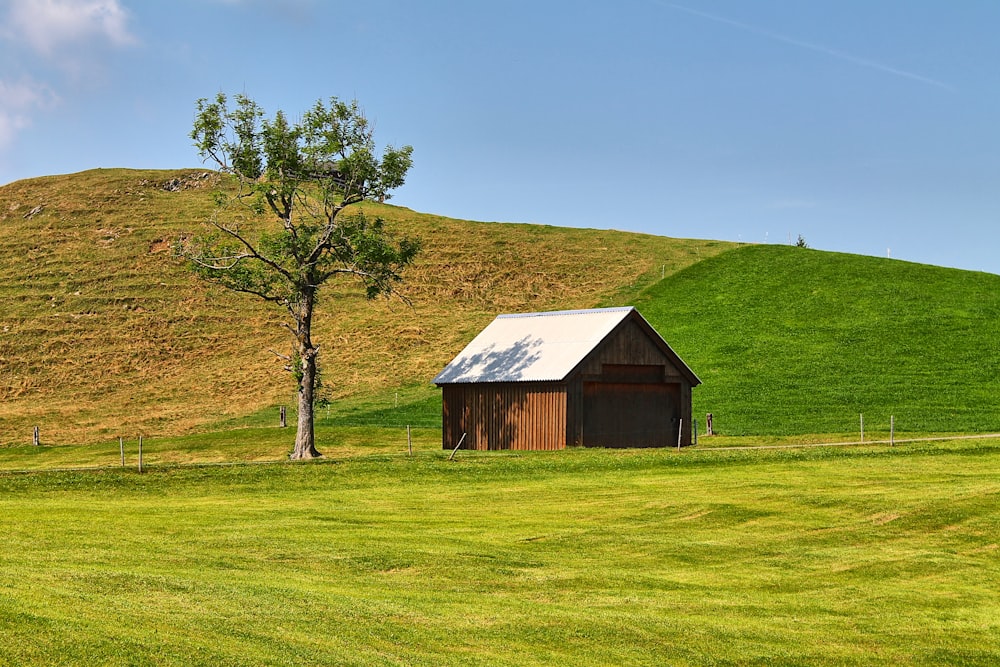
point(629, 345)
point(628, 388)
point(630, 414)
point(630, 355)
point(525, 415)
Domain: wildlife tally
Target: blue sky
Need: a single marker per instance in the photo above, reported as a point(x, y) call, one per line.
point(865, 126)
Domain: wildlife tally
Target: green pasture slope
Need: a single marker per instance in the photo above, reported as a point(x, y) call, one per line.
point(793, 341)
point(583, 557)
point(794, 344)
point(104, 334)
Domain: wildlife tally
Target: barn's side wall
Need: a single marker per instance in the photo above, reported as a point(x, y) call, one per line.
point(513, 415)
point(628, 346)
point(688, 425)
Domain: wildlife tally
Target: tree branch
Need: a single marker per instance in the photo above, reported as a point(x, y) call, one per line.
point(253, 252)
point(219, 263)
point(285, 357)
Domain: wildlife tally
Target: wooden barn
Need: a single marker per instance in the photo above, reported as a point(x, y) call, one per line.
point(596, 378)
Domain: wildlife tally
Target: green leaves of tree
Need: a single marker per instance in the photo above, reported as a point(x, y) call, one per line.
point(331, 147)
point(305, 174)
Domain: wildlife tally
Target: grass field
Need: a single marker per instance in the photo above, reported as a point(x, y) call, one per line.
point(584, 557)
point(790, 341)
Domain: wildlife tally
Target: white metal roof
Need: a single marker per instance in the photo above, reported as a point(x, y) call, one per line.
point(532, 347)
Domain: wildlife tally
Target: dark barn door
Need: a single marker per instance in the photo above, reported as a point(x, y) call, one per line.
point(630, 414)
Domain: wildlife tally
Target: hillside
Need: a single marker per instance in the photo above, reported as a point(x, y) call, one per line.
point(795, 341)
point(103, 333)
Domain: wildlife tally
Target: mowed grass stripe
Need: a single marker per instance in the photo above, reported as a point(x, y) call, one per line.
point(582, 557)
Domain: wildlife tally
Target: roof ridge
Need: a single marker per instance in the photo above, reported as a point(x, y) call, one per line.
point(584, 311)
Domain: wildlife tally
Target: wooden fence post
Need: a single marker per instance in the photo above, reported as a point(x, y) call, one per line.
point(409, 440)
point(283, 417)
point(892, 431)
point(708, 424)
point(36, 439)
point(121, 449)
point(140, 453)
point(862, 428)
point(680, 432)
point(695, 431)
point(460, 441)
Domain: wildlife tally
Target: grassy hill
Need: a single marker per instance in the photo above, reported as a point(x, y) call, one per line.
point(103, 333)
point(794, 341)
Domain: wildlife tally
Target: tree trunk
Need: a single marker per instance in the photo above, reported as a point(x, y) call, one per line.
point(305, 438)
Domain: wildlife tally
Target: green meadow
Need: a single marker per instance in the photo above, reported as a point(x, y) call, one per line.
point(792, 341)
point(584, 557)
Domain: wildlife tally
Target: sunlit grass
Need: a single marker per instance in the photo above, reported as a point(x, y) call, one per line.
point(104, 334)
point(790, 341)
point(842, 556)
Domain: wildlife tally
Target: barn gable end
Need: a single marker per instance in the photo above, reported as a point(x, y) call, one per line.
point(600, 377)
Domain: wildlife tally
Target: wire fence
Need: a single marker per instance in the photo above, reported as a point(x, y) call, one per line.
point(149, 467)
point(854, 443)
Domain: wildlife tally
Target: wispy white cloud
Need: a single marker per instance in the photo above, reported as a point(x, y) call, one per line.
point(818, 48)
point(49, 25)
point(18, 103)
point(39, 34)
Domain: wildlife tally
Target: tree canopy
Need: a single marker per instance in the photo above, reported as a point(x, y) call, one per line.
point(281, 231)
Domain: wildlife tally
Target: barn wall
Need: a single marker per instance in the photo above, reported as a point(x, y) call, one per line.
point(688, 424)
point(628, 345)
point(517, 415)
point(574, 411)
point(657, 395)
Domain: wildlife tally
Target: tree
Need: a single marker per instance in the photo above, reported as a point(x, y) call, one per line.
point(280, 230)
